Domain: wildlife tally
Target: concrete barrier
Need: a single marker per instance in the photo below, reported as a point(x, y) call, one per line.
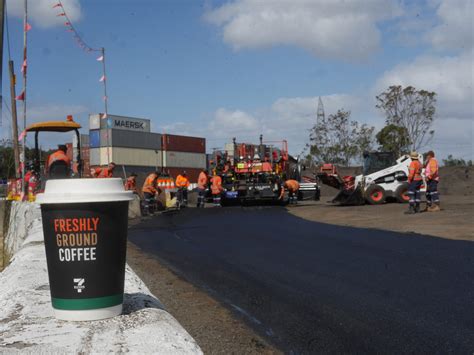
point(26, 317)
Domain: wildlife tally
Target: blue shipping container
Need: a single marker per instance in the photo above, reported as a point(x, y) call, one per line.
point(94, 138)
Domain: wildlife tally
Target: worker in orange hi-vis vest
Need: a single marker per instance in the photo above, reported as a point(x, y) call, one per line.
point(182, 184)
point(432, 180)
point(131, 183)
point(202, 183)
point(150, 189)
point(415, 181)
point(107, 172)
point(216, 189)
point(58, 164)
point(292, 186)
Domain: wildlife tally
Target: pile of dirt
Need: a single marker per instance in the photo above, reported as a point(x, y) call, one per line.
point(456, 180)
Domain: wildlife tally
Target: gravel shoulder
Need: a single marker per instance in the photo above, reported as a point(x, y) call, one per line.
point(455, 220)
point(214, 327)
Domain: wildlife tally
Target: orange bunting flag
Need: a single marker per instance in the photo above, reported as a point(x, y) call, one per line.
point(21, 97)
point(57, 5)
point(61, 14)
point(104, 115)
point(102, 78)
point(27, 27)
point(100, 59)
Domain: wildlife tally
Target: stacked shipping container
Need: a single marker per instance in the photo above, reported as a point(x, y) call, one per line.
point(128, 142)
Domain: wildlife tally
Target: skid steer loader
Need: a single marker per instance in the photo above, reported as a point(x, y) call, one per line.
point(383, 177)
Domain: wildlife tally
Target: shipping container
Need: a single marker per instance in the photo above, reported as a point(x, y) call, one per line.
point(125, 123)
point(185, 160)
point(130, 139)
point(137, 157)
point(176, 143)
point(94, 156)
point(94, 121)
point(94, 138)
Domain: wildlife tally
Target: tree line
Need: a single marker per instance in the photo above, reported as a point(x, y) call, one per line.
point(409, 115)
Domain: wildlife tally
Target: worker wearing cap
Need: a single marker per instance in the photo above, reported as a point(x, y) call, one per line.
point(58, 164)
point(216, 189)
point(107, 172)
point(432, 179)
point(131, 183)
point(150, 189)
point(415, 181)
point(202, 183)
point(293, 187)
point(182, 184)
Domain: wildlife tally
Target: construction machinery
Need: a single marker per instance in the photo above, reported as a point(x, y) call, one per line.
point(383, 177)
point(255, 172)
point(34, 179)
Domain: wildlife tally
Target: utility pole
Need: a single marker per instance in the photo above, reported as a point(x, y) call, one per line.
point(2, 18)
point(23, 153)
point(16, 148)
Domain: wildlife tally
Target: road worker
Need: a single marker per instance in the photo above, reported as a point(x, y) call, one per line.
point(293, 187)
point(216, 189)
point(131, 183)
point(415, 181)
point(202, 186)
point(432, 179)
point(182, 184)
point(150, 189)
point(58, 164)
point(107, 172)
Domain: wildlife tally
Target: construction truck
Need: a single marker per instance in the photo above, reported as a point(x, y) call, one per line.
point(255, 172)
point(383, 177)
point(34, 179)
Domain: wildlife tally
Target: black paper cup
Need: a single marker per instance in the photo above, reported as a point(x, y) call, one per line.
point(85, 236)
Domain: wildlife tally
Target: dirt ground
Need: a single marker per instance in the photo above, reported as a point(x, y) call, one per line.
point(454, 221)
point(216, 329)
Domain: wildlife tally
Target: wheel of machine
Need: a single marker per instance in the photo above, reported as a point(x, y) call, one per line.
point(375, 195)
point(401, 193)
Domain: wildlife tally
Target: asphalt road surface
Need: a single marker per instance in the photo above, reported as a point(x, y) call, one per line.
point(317, 288)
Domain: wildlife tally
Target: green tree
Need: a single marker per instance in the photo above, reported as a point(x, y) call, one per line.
point(338, 140)
point(451, 161)
point(411, 109)
point(393, 138)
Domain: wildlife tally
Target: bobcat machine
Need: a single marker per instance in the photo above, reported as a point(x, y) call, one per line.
point(383, 177)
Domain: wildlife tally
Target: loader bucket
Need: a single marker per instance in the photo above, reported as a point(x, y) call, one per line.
point(349, 197)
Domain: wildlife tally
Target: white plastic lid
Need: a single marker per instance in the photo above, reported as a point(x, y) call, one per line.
point(84, 190)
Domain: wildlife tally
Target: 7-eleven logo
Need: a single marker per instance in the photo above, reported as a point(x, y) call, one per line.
point(79, 285)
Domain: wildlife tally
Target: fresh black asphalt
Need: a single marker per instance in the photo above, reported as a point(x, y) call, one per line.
point(318, 288)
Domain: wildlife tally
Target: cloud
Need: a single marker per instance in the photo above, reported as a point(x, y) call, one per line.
point(42, 14)
point(451, 77)
point(230, 123)
point(338, 29)
point(456, 29)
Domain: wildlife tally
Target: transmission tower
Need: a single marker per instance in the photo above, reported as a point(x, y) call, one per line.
point(320, 117)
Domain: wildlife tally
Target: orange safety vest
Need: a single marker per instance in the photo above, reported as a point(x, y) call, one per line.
point(414, 171)
point(58, 155)
point(292, 185)
point(432, 170)
point(216, 186)
point(103, 173)
point(202, 180)
point(182, 181)
point(131, 184)
point(150, 184)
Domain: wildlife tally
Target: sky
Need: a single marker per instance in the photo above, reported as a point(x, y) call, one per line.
point(223, 69)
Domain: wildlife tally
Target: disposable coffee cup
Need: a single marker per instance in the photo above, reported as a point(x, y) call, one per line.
point(85, 235)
